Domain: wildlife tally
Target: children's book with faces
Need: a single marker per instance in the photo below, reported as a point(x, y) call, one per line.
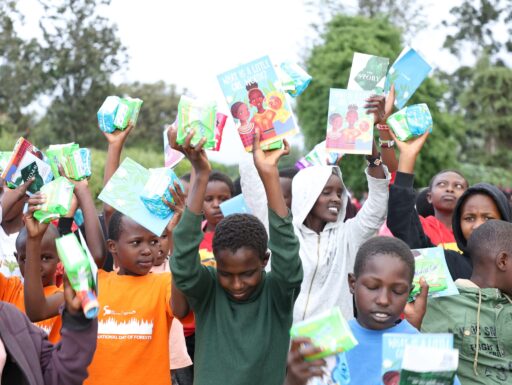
point(349, 126)
point(256, 101)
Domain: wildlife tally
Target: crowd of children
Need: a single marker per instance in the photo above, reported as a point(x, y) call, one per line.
point(211, 300)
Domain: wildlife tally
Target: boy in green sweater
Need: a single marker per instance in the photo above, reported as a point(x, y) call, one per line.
point(480, 318)
point(243, 314)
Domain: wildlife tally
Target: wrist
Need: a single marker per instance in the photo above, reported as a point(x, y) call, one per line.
point(386, 143)
point(374, 160)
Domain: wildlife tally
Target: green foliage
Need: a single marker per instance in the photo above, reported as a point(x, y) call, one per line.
point(81, 53)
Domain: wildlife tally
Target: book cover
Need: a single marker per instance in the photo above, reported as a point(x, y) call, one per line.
point(349, 127)
point(393, 346)
point(256, 101)
point(407, 73)
point(430, 263)
point(123, 191)
point(368, 73)
point(235, 205)
point(423, 365)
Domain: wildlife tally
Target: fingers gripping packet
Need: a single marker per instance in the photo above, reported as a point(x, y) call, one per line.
point(328, 331)
point(197, 115)
point(58, 193)
point(81, 271)
point(127, 112)
point(300, 79)
point(80, 164)
point(75, 161)
point(411, 121)
point(156, 189)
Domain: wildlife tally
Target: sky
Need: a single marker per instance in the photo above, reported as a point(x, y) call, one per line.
point(188, 43)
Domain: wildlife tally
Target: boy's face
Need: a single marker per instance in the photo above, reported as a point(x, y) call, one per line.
point(381, 291)
point(216, 193)
point(163, 249)
point(136, 249)
point(476, 210)
point(328, 203)
point(49, 258)
point(240, 273)
point(446, 190)
point(286, 187)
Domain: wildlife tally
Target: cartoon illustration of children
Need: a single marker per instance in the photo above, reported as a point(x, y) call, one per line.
point(263, 118)
point(240, 111)
point(275, 102)
point(335, 132)
point(351, 133)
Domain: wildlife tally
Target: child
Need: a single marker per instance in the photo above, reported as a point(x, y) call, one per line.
point(243, 315)
point(380, 284)
point(328, 244)
point(444, 189)
point(285, 178)
point(26, 356)
point(477, 204)
point(481, 316)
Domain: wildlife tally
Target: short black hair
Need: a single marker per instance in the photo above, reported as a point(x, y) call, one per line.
point(217, 176)
point(240, 230)
point(489, 239)
point(21, 239)
point(431, 183)
point(288, 172)
point(185, 177)
point(237, 186)
point(423, 207)
point(115, 226)
point(384, 245)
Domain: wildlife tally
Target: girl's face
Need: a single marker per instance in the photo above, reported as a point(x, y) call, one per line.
point(476, 210)
point(446, 190)
point(243, 112)
point(337, 123)
point(216, 193)
point(275, 103)
point(256, 98)
point(328, 204)
point(136, 249)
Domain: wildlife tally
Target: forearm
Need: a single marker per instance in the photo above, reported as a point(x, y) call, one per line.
point(378, 171)
point(388, 153)
point(35, 301)
point(111, 165)
point(197, 192)
point(93, 232)
point(179, 304)
point(12, 205)
point(273, 192)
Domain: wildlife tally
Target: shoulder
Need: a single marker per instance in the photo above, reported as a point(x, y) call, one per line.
point(12, 318)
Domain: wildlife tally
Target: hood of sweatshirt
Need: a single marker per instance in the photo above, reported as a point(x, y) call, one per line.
point(307, 186)
point(480, 188)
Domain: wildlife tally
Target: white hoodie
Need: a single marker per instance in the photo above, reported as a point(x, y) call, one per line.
point(328, 257)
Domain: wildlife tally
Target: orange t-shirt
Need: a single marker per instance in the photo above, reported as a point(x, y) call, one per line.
point(133, 330)
point(11, 290)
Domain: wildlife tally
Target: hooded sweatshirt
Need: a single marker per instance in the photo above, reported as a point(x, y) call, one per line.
point(480, 320)
point(328, 257)
point(403, 220)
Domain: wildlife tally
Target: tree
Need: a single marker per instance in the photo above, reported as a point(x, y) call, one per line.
point(329, 64)
point(21, 69)
point(82, 51)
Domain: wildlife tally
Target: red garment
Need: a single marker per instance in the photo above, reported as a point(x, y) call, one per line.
point(436, 230)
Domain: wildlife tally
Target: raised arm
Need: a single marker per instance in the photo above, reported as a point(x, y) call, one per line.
point(386, 145)
point(403, 219)
point(37, 306)
point(192, 279)
point(116, 142)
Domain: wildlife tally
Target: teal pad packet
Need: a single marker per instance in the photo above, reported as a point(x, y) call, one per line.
point(156, 189)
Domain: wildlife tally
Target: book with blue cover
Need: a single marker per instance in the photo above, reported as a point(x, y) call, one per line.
point(123, 191)
point(235, 205)
point(407, 73)
point(349, 126)
point(256, 101)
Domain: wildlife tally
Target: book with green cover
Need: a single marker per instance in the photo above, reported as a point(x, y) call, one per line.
point(368, 73)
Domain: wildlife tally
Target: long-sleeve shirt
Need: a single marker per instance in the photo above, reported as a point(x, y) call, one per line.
point(242, 342)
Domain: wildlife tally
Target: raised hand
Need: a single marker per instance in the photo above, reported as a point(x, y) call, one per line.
point(118, 137)
point(73, 303)
point(178, 206)
point(390, 104)
point(375, 105)
point(195, 154)
point(34, 228)
point(267, 161)
point(415, 311)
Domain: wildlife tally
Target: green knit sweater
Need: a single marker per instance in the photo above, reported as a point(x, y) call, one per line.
point(239, 342)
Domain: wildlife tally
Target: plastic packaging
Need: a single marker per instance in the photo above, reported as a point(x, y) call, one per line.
point(156, 189)
point(58, 193)
point(300, 79)
point(201, 116)
point(411, 121)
